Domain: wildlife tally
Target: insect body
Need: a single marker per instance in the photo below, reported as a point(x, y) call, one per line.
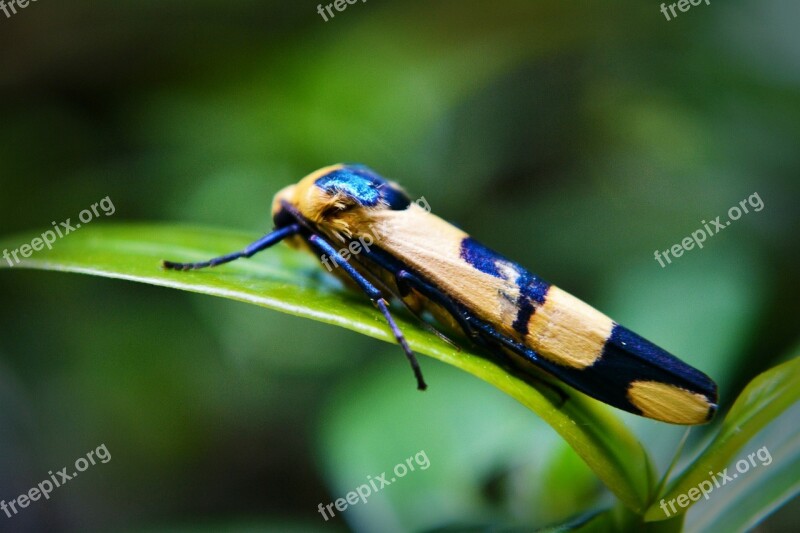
point(433, 266)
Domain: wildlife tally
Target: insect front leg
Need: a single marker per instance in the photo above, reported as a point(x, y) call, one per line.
point(262, 244)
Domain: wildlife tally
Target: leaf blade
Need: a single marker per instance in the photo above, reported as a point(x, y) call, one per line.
point(291, 282)
point(761, 402)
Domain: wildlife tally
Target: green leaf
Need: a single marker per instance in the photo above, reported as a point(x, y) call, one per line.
point(760, 404)
point(766, 487)
point(620, 519)
point(291, 282)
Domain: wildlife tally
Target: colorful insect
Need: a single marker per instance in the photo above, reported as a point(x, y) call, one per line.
point(433, 266)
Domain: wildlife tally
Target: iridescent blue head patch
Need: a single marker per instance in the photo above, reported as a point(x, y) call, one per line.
point(364, 186)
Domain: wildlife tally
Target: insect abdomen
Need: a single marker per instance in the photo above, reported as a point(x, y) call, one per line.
point(593, 353)
point(611, 363)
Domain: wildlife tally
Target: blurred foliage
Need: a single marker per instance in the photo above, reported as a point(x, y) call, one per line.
point(575, 140)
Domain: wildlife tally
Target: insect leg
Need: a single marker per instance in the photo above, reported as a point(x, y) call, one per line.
point(377, 298)
point(393, 267)
point(481, 333)
point(263, 243)
point(429, 291)
point(405, 279)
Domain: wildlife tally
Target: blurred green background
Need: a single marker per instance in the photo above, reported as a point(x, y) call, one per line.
point(576, 138)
